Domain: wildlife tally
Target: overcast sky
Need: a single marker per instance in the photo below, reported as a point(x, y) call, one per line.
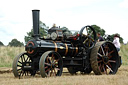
point(16, 16)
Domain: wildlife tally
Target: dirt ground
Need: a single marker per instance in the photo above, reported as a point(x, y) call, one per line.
point(121, 78)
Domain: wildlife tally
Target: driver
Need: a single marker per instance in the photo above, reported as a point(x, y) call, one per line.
point(100, 38)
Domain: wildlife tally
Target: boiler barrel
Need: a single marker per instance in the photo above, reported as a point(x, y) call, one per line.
point(64, 49)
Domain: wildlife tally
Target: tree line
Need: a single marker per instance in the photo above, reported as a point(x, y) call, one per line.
point(43, 32)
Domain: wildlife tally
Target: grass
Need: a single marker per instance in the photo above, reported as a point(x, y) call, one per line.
point(7, 55)
point(121, 78)
point(124, 54)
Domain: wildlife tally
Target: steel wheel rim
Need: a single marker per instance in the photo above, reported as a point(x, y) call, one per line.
point(50, 64)
point(105, 60)
point(17, 65)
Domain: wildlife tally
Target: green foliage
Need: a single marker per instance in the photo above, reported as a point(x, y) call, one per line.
point(1, 44)
point(42, 31)
point(15, 43)
point(105, 36)
point(98, 29)
point(66, 30)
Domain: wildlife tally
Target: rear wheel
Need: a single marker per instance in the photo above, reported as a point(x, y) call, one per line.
point(104, 58)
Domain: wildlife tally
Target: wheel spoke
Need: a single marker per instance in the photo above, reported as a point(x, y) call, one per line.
point(102, 67)
point(106, 50)
point(20, 62)
point(57, 69)
point(48, 64)
point(47, 70)
point(91, 33)
point(23, 73)
point(19, 69)
point(27, 73)
point(110, 57)
point(109, 68)
point(54, 71)
point(20, 74)
point(46, 67)
point(112, 61)
point(99, 54)
point(51, 72)
point(23, 58)
point(109, 64)
point(100, 61)
point(26, 59)
point(104, 70)
point(102, 50)
point(92, 39)
point(87, 30)
point(29, 60)
point(56, 61)
point(89, 42)
point(85, 41)
point(110, 52)
point(19, 65)
point(48, 59)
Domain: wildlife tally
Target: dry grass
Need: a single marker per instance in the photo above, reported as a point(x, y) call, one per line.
point(121, 78)
point(124, 54)
point(7, 55)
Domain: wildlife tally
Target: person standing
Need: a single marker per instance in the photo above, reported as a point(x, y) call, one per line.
point(100, 38)
point(116, 42)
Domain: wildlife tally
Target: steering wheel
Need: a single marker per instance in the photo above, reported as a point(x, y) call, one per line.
point(87, 37)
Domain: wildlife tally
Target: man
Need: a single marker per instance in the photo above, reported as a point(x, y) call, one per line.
point(116, 42)
point(100, 38)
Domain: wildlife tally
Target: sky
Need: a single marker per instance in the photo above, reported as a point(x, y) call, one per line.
point(16, 16)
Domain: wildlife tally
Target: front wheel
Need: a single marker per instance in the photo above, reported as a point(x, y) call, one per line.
point(22, 65)
point(50, 64)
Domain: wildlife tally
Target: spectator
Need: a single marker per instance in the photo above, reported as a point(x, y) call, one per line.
point(100, 38)
point(116, 42)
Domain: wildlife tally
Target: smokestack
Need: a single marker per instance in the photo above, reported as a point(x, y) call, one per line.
point(35, 14)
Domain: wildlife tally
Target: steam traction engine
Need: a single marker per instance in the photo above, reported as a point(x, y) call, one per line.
point(80, 52)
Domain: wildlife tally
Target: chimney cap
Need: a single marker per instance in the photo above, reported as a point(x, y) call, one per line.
point(35, 10)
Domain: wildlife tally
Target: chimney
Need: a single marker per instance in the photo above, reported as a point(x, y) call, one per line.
point(35, 14)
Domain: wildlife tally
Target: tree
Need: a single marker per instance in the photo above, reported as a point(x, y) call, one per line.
point(105, 36)
point(15, 43)
point(98, 29)
point(1, 44)
point(66, 30)
point(43, 32)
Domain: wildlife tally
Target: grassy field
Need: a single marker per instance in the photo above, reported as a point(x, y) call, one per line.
point(124, 54)
point(7, 55)
point(121, 78)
